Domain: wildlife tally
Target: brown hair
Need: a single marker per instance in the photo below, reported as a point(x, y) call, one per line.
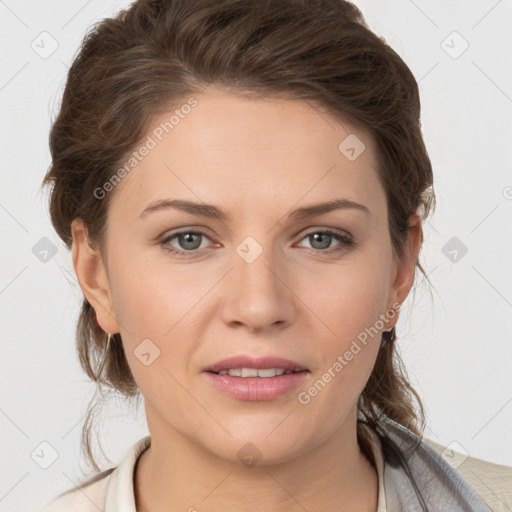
point(155, 53)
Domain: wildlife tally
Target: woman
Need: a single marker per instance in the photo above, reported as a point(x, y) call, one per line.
point(242, 184)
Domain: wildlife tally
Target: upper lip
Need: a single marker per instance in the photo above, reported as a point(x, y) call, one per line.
point(246, 361)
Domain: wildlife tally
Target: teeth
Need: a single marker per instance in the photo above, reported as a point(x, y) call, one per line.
point(268, 372)
point(254, 372)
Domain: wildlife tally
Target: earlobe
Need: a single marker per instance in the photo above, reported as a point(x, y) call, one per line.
point(92, 276)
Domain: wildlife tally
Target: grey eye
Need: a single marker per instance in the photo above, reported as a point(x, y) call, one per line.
point(189, 241)
point(322, 240)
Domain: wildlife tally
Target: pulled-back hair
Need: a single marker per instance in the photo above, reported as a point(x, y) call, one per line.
point(156, 54)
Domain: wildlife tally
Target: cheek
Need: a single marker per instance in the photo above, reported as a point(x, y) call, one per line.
point(155, 305)
point(349, 306)
point(150, 297)
point(349, 297)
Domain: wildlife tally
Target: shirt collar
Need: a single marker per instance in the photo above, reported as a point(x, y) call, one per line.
point(120, 496)
point(378, 460)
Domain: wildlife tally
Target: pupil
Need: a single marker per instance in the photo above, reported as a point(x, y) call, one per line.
point(324, 239)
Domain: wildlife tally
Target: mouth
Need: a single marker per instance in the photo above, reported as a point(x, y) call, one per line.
point(256, 378)
point(249, 366)
point(263, 373)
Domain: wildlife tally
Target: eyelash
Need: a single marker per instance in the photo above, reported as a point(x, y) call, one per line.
point(347, 242)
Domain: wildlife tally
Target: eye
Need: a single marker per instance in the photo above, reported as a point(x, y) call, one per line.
point(321, 241)
point(189, 241)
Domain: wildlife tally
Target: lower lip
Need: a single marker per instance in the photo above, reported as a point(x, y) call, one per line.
point(256, 388)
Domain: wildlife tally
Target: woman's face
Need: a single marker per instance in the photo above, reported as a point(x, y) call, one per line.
point(260, 274)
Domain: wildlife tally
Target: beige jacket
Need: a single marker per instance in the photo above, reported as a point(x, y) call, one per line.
point(492, 482)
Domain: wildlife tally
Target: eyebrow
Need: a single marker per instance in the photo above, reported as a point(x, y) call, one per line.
point(213, 212)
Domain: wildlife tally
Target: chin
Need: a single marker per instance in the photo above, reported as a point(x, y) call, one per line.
point(252, 447)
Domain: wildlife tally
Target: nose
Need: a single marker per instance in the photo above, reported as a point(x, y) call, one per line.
point(257, 295)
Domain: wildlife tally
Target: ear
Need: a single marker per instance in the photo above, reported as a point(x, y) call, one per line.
point(406, 265)
point(92, 276)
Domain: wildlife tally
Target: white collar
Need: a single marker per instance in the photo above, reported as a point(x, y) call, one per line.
point(120, 495)
point(376, 447)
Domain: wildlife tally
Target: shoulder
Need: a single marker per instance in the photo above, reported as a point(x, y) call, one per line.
point(493, 482)
point(105, 490)
point(89, 496)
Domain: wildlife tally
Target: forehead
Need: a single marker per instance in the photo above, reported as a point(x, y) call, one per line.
point(228, 148)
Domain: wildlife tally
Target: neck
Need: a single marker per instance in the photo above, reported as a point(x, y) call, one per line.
point(174, 473)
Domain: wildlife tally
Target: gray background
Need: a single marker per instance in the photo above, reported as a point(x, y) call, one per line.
point(457, 346)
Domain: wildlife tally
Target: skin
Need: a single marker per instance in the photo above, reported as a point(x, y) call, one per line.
point(257, 160)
